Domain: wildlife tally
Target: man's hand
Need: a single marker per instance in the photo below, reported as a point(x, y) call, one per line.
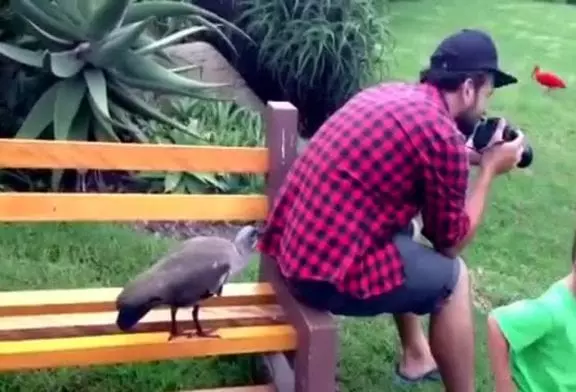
point(501, 157)
point(474, 157)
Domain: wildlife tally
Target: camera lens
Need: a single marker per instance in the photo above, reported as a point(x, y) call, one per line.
point(527, 157)
point(509, 134)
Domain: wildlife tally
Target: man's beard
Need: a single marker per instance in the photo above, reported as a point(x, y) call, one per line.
point(466, 121)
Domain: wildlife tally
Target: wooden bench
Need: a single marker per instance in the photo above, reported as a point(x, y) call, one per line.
point(60, 328)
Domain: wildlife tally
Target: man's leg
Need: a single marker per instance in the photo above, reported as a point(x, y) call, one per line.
point(417, 358)
point(437, 285)
point(434, 285)
point(452, 337)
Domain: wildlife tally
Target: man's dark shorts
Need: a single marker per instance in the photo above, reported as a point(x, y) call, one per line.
point(430, 279)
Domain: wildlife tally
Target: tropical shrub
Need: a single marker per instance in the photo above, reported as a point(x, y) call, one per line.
point(220, 123)
point(97, 56)
point(83, 63)
point(315, 54)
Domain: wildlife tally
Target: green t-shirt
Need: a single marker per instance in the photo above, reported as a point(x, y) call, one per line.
point(541, 333)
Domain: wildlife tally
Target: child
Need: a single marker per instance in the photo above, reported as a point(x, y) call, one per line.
point(532, 342)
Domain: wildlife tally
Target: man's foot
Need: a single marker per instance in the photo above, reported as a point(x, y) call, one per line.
point(403, 379)
point(411, 370)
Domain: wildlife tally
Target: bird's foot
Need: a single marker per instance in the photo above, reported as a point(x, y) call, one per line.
point(210, 333)
point(173, 336)
point(195, 334)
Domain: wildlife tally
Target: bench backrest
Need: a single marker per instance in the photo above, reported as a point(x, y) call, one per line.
point(281, 136)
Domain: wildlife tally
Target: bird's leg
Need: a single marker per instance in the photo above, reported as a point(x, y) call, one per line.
point(173, 326)
point(199, 331)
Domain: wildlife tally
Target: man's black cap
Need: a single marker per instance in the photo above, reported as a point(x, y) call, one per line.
point(470, 50)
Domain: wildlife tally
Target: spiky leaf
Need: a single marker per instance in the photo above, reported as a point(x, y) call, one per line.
point(68, 100)
point(23, 56)
point(205, 22)
point(66, 64)
point(36, 14)
point(145, 40)
point(100, 108)
point(185, 68)
point(138, 106)
point(51, 41)
point(72, 10)
point(107, 17)
point(56, 179)
point(103, 130)
point(160, 87)
point(85, 8)
point(124, 118)
point(142, 67)
point(166, 9)
point(51, 9)
point(41, 115)
point(113, 49)
point(171, 181)
point(97, 88)
point(169, 40)
point(81, 123)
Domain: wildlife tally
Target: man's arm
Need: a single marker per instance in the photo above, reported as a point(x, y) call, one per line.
point(474, 208)
point(450, 217)
point(512, 328)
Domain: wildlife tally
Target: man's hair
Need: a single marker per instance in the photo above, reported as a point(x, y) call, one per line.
point(450, 81)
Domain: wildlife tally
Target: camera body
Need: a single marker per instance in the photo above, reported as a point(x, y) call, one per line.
point(481, 133)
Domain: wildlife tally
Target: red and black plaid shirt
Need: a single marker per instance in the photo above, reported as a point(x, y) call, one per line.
point(391, 151)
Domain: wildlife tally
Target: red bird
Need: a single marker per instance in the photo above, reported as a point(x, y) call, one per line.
point(547, 79)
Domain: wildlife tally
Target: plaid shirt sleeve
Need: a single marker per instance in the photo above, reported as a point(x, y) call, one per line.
point(445, 220)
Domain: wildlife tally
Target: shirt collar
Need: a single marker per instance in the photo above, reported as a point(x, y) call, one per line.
point(437, 97)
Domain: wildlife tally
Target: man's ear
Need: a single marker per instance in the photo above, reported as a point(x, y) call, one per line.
point(468, 91)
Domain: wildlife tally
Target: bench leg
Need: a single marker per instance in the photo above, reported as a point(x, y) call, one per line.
point(315, 360)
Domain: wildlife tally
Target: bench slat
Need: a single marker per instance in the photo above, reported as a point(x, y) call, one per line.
point(42, 154)
point(104, 323)
point(91, 324)
point(107, 207)
point(31, 302)
point(142, 347)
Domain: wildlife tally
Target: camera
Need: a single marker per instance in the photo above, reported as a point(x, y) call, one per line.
point(482, 132)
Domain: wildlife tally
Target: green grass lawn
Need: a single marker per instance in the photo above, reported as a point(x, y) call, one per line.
point(523, 246)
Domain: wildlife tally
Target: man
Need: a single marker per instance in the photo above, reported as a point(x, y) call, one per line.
point(338, 229)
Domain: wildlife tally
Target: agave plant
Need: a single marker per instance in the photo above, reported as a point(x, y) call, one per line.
point(99, 53)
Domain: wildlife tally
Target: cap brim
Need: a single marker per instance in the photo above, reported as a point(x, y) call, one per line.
point(502, 79)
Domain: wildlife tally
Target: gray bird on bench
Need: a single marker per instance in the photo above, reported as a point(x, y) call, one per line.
point(194, 270)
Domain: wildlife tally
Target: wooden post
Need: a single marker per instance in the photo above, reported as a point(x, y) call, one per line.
point(315, 360)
